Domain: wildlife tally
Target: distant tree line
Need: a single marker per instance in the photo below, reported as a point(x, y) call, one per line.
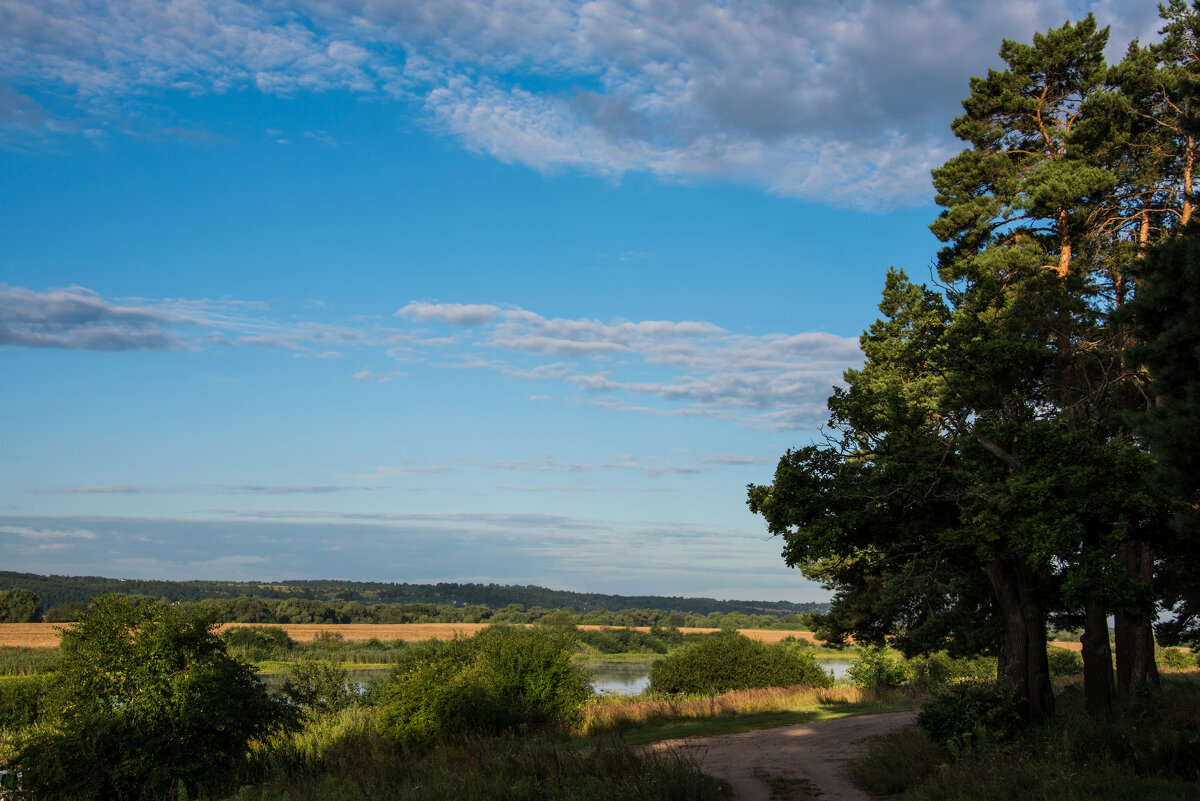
point(61, 599)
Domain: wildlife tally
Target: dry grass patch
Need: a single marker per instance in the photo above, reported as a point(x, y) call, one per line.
point(608, 713)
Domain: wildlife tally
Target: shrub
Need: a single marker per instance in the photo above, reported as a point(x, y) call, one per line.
point(257, 643)
point(500, 680)
point(877, 668)
point(1176, 658)
point(729, 661)
point(1064, 662)
point(969, 715)
point(145, 699)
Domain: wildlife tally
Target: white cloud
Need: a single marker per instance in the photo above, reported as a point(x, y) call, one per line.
point(691, 367)
point(37, 534)
point(449, 313)
point(846, 102)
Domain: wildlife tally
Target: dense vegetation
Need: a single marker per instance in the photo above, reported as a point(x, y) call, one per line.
point(145, 701)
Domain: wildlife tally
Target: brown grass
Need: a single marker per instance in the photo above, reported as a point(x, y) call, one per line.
point(606, 713)
point(45, 635)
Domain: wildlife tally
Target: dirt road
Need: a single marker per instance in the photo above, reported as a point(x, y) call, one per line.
point(791, 763)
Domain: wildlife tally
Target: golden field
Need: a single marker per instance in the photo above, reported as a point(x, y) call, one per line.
point(45, 635)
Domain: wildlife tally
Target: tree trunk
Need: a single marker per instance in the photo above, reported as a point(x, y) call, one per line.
point(1022, 664)
point(1097, 659)
point(1135, 638)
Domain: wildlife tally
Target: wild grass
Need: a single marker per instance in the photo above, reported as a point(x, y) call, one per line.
point(342, 757)
point(26, 661)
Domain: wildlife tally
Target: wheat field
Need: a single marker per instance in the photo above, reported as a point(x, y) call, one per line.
point(45, 635)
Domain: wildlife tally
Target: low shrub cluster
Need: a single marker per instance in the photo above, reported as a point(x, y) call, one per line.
point(629, 641)
point(729, 661)
point(970, 715)
point(877, 668)
point(502, 679)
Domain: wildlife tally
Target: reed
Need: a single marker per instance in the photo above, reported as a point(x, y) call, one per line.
point(613, 713)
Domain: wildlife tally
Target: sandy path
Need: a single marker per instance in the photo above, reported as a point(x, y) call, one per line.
point(808, 760)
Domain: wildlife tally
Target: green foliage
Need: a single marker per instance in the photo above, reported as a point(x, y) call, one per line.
point(929, 672)
point(257, 643)
point(878, 668)
point(19, 606)
point(968, 716)
point(729, 661)
point(22, 700)
point(145, 697)
point(502, 679)
point(1063, 662)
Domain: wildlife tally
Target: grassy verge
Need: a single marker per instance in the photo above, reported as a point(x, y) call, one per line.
point(640, 720)
point(1149, 749)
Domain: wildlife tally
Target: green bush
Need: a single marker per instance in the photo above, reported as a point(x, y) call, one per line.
point(145, 700)
point(502, 679)
point(877, 668)
point(1064, 662)
point(969, 716)
point(22, 700)
point(257, 643)
point(1175, 658)
point(730, 661)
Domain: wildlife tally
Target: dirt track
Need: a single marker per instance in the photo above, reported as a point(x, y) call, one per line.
point(808, 760)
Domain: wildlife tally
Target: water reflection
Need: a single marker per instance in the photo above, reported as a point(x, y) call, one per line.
point(610, 677)
point(631, 677)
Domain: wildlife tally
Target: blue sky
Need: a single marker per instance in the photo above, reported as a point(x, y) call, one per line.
point(523, 292)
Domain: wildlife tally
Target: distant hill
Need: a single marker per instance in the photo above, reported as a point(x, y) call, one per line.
point(55, 590)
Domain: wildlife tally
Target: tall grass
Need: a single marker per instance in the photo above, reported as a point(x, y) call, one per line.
point(342, 757)
point(614, 713)
point(16, 660)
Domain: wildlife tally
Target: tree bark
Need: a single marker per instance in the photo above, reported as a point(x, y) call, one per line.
point(1097, 659)
point(1022, 664)
point(1136, 667)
